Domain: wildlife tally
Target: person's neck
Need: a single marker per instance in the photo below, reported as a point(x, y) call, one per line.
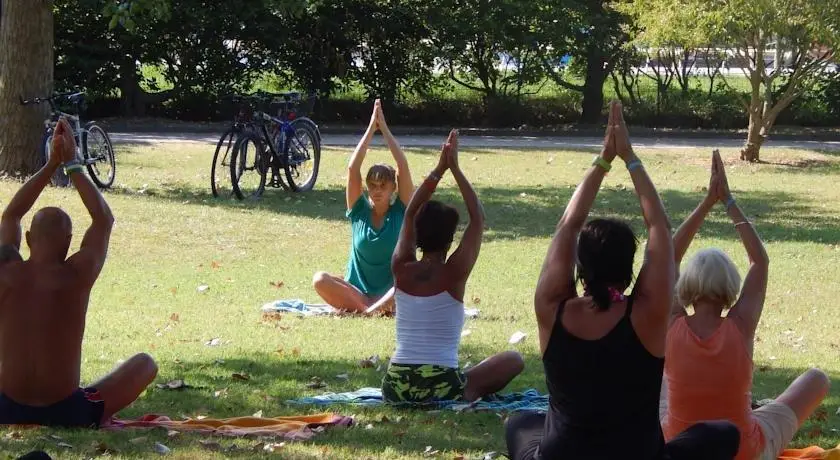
point(380, 210)
point(438, 257)
point(707, 310)
point(43, 259)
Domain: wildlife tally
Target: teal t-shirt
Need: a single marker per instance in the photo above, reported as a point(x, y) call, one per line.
point(369, 267)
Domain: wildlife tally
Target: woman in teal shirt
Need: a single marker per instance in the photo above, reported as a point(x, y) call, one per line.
point(376, 220)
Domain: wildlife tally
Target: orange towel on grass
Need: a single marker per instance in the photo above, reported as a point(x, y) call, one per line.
point(293, 427)
point(813, 452)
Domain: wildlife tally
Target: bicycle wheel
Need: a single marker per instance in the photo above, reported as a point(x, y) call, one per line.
point(248, 167)
point(220, 182)
point(99, 154)
point(303, 159)
point(59, 178)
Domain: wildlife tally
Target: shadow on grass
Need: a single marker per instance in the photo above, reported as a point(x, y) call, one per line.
point(377, 430)
point(517, 212)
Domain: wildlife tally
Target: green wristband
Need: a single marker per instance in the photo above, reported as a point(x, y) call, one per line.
point(73, 168)
point(600, 161)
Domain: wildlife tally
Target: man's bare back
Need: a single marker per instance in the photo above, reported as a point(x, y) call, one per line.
point(41, 330)
point(43, 304)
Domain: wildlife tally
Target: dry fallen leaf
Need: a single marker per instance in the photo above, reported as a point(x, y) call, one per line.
point(210, 445)
point(272, 316)
point(277, 284)
point(173, 385)
point(476, 300)
point(173, 290)
point(517, 337)
point(315, 383)
point(240, 376)
point(215, 265)
point(369, 362)
point(174, 317)
point(13, 435)
point(820, 415)
point(296, 352)
point(101, 448)
point(272, 446)
point(815, 432)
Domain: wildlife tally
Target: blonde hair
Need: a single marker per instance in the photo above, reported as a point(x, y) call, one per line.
point(710, 275)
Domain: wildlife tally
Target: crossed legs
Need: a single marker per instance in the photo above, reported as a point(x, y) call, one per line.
point(344, 296)
point(125, 383)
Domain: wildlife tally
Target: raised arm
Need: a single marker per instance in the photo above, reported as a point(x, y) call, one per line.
point(26, 196)
point(406, 186)
point(354, 168)
point(556, 282)
point(655, 284)
point(406, 250)
point(88, 262)
point(463, 259)
point(688, 230)
point(748, 308)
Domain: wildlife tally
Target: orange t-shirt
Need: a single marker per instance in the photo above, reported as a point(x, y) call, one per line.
point(710, 379)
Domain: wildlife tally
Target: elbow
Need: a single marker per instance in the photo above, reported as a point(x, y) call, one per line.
point(762, 259)
point(107, 219)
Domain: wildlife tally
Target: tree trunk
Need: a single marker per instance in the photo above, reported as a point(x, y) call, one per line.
point(131, 95)
point(593, 88)
point(26, 70)
point(755, 139)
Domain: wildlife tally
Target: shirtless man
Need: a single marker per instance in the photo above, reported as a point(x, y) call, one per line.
point(43, 304)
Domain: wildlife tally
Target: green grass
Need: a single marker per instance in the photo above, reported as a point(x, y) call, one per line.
point(445, 89)
point(168, 237)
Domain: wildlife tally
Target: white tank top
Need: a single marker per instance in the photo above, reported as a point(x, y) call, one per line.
point(428, 329)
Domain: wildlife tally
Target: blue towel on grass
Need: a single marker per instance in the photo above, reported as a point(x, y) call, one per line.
point(299, 307)
point(528, 400)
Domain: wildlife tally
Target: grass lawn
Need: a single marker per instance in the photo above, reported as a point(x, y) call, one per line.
point(172, 236)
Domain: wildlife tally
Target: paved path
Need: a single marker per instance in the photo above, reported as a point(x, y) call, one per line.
point(346, 140)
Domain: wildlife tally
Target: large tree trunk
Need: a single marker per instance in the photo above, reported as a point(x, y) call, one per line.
point(26, 70)
point(593, 88)
point(755, 139)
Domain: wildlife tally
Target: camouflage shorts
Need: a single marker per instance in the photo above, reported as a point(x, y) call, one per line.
point(422, 383)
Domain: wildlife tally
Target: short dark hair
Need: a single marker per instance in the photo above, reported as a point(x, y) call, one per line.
point(606, 248)
point(435, 226)
point(382, 172)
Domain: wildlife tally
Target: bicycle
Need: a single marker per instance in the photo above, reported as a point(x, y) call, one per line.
point(242, 120)
point(293, 143)
point(93, 145)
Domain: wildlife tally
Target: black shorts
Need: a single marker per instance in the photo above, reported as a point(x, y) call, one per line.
point(82, 409)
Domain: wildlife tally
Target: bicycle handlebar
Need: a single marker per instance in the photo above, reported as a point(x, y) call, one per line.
point(50, 99)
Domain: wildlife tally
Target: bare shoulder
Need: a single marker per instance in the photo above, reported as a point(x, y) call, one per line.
point(11, 263)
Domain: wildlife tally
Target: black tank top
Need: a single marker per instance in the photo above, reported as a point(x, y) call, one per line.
point(604, 395)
